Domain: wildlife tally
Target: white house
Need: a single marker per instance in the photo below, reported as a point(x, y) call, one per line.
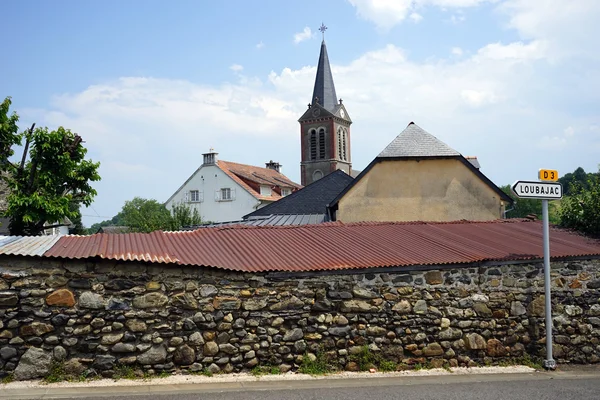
point(224, 191)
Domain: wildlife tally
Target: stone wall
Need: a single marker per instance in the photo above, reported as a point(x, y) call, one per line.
point(95, 317)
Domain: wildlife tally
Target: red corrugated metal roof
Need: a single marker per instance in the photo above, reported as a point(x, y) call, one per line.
point(332, 246)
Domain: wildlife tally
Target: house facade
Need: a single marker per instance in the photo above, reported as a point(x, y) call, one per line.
point(226, 191)
point(417, 177)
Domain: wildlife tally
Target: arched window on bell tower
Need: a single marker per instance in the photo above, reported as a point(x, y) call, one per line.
point(313, 144)
point(341, 137)
point(321, 143)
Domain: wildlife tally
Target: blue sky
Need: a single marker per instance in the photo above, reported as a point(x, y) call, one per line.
point(150, 85)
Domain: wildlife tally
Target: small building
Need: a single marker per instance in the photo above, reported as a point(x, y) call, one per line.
point(225, 191)
point(305, 206)
point(417, 177)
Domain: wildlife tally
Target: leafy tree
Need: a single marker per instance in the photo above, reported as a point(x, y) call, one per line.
point(116, 220)
point(182, 215)
point(78, 228)
point(581, 209)
point(51, 178)
point(522, 207)
point(145, 215)
point(148, 215)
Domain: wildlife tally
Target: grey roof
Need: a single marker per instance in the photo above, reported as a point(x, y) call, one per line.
point(276, 220)
point(416, 142)
point(311, 199)
point(324, 88)
point(26, 245)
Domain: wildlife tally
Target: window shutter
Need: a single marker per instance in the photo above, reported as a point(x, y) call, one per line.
point(217, 195)
point(187, 196)
point(201, 197)
point(232, 193)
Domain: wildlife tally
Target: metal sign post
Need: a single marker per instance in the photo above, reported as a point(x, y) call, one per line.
point(544, 191)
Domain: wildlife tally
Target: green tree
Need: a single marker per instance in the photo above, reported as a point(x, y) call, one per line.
point(51, 180)
point(182, 215)
point(581, 209)
point(145, 215)
point(522, 207)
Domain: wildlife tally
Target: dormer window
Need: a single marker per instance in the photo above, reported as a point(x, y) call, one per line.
point(286, 192)
point(265, 190)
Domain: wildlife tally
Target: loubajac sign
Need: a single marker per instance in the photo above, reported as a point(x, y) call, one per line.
point(538, 190)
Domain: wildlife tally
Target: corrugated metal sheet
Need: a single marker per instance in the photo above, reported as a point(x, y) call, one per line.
point(26, 245)
point(331, 246)
point(273, 219)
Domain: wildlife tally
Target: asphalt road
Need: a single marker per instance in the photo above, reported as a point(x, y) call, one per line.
point(575, 385)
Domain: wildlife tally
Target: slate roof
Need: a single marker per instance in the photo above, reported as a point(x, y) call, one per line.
point(312, 199)
point(241, 173)
point(416, 142)
point(324, 88)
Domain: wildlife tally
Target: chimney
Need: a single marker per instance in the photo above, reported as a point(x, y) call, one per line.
point(210, 158)
point(473, 160)
point(273, 165)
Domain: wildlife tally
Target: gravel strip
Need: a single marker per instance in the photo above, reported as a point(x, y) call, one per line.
point(245, 377)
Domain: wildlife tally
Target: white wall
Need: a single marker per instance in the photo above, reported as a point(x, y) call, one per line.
point(209, 179)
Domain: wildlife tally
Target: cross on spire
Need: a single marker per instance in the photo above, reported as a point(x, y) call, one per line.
point(323, 28)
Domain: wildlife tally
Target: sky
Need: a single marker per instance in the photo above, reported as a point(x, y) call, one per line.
point(151, 85)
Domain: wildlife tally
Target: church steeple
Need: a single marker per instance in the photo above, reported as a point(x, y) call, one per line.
point(324, 127)
point(324, 90)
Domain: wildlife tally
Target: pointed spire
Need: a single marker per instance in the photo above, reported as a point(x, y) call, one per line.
point(324, 91)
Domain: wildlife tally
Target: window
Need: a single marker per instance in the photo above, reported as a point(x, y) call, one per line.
point(225, 194)
point(313, 144)
point(265, 190)
point(342, 154)
point(286, 192)
point(195, 196)
point(322, 143)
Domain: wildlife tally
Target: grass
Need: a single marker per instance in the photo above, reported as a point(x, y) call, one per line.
point(265, 370)
point(124, 372)
point(526, 360)
point(7, 379)
point(319, 366)
point(56, 373)
point(366, 359)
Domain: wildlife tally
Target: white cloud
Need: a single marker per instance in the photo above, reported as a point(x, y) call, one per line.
point(568, 26)
point(457, 51)
point(260, 45)
point(505, 103)
point(416, 17)
point(236, 67)
point(516, 51)
point(388, 13)
point(304, 35)
point(569, 131)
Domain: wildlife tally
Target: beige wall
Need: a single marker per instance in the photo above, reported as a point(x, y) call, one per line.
point(425, 190)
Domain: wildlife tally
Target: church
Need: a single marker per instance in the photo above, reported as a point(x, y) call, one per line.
point(324, 128)
point(416, 177)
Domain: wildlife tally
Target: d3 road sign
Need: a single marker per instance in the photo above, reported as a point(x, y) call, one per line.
point(538, 190)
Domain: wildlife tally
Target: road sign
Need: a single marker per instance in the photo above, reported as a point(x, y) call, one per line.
point(548, 175)
point(538, 190)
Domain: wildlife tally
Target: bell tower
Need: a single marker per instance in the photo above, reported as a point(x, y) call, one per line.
point(324, 127)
